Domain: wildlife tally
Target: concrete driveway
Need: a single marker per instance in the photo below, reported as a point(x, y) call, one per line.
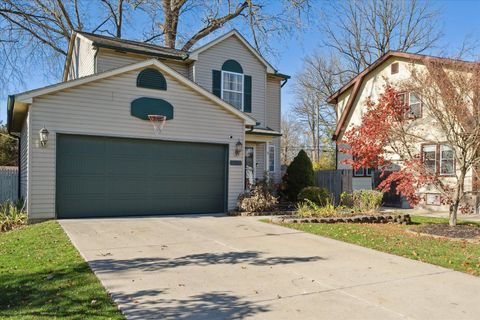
point(208, 267)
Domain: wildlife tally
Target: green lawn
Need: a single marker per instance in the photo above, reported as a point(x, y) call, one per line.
point(392, 238)
point(42, 276)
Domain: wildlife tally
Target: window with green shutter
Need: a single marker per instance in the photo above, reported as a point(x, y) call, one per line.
point(231, 85)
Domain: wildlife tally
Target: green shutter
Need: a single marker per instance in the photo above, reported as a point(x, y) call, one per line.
point(247, 95)
point(217, 83)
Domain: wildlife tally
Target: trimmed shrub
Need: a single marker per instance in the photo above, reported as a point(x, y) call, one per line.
point(317, 195)
point(258, 199)
point(362, 200)
point(299, 175)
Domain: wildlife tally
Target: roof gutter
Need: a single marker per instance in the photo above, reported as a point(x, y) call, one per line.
point(68, 61)
point(158, 55)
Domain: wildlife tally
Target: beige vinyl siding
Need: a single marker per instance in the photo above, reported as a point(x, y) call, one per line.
point(274, 121)
point(231, 48)
point(24, 158)
point(103, 108)
point(83, 59)
point(108, 60)
point(273, 104)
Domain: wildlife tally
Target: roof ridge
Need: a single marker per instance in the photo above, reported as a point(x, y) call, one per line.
point(135, 42)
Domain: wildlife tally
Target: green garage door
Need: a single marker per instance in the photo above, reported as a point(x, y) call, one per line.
point(106, 177)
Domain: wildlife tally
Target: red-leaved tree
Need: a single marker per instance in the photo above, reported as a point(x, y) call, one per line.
point(387, 137)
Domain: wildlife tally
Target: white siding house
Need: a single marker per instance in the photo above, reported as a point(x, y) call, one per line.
point(393, 68)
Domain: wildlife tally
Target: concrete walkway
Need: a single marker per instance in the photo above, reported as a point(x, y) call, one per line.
point(239, 268)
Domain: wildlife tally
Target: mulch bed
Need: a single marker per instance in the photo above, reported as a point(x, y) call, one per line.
point(461, 231)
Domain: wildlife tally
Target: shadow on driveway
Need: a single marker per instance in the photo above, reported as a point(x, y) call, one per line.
point(254, 258)
point(211, 305)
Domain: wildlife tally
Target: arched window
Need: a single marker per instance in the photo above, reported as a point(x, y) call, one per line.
point(232, 66)
point(152, 79)
point(233, 86)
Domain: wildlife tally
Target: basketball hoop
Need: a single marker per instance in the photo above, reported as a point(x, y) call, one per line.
point(158, 121)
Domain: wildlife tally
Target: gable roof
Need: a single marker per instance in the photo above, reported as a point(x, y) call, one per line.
point(357, 81)
point(234, 33)
point(107, 42)
point(26, 97)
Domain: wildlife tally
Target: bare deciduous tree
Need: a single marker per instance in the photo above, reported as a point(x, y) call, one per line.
point(361, 31)
point(37, 32)
point(319, 78)
point(291, 140)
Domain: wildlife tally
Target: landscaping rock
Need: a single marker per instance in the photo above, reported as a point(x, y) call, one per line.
point(400, 219)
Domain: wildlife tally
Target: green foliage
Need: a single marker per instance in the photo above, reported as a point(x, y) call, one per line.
point(42, 276)
point(309, 208)
point(326, 162)
point(258, 199)
point(299, 175)
point(363, 201)
point(8, 148)
point(12, 216)
point(315, 194)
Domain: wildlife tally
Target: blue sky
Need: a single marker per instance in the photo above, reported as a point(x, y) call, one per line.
point(459, 19)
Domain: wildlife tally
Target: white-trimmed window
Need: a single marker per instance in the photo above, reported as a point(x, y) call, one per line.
point(447, 163)
point(414, 104)
point(429, 156)
point(438, 159)
point(232, 88)
point(271, 158)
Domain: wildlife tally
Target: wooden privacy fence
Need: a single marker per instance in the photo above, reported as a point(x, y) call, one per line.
point(335, 181)
point(8, 183)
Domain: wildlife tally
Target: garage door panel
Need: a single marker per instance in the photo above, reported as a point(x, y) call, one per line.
point(83, 165)
point(100, 176)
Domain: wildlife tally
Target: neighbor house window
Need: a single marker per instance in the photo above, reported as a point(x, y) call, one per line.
point(446, 160)
point(363, 172)
point(429, 156)
point(414, 104)
point(394, 68)
point(438, 159)
point(232, 88)
point(271, 158)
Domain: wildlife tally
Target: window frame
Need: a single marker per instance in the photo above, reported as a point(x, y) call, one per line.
point(406, 94)
point(270, 158)
point(440, 161)
point(242, 93)
point(365, 172)
point(438, 158)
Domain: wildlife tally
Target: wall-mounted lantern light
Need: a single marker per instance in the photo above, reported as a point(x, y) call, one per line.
point(238, 148)
point(43, 136)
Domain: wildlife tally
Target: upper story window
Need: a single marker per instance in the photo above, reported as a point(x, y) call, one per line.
point(414, 104)
point(232, 88)
point(438, 159)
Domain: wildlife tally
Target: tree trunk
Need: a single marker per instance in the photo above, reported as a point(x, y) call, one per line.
point(456, 200)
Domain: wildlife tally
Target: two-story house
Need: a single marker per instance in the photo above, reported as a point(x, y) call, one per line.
point(139, 129)
point(350, 103)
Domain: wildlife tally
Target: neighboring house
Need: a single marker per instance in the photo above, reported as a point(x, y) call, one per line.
point(102, 157)
point(350, 102)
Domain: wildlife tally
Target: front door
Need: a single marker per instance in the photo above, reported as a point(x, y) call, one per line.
point(249, 167)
